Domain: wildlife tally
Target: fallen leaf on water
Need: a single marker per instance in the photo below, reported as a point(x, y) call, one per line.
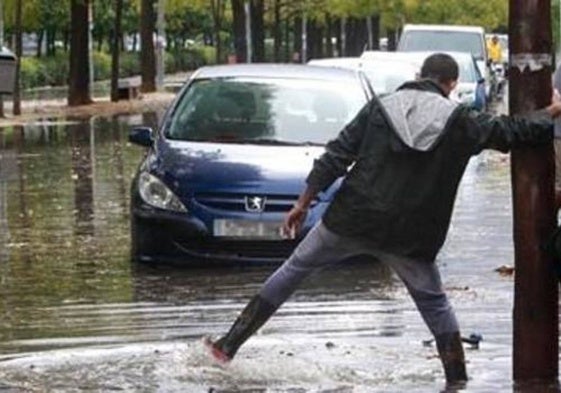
point(505, 270)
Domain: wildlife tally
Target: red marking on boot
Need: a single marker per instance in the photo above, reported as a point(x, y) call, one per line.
point(217, 354)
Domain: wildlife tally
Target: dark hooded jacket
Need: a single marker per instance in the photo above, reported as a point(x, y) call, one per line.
point(403, 157)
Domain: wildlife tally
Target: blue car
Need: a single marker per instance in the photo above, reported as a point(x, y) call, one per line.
point(231, 157)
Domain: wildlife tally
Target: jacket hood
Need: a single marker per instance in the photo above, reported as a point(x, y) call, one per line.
point(419, 113)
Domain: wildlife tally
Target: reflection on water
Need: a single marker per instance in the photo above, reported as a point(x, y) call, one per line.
point(76, 315)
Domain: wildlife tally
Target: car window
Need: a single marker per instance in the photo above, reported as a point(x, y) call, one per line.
point(443, 41)
point(386, 77)
point(284, 110)
point(467, 71)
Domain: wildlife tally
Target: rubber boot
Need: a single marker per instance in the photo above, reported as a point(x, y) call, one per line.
point(451, 353)
point(254, 315)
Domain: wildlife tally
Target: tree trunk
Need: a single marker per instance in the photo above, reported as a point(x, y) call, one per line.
point(217, 11)
point(40, 38)
point(287, 40)
point(147, 54)
point(297, 52)
point(392, 42)
point(79, 75)
point(375, 31)
point(356, 35)
point(277, 31)
point(315, 40)
point(116, 51)
point(338, 27)
point(18, 31)
point(240, 44)
point(329, 36)
point(258, 30)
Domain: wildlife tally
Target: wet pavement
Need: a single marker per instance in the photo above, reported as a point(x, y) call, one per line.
point(76, 315)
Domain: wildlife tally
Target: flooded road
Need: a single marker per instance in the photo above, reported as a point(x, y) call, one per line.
point(76, 315)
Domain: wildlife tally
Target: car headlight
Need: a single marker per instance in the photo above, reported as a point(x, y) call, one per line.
point(154, 192)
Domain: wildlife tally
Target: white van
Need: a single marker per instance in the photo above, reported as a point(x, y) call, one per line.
point(448, 38)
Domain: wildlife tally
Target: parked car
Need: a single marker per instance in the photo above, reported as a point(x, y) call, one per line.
point(385, 73)
point(231, 158)
point(471, 84)
point(449, 38)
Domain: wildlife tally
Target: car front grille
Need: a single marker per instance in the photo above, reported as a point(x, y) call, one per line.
point(271, 251)
point(238, 202)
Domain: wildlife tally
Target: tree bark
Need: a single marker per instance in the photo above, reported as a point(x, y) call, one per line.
point(217, 11)
point(116, 48)
point(375, 19)
point(277, 31)
point(297, 51)
point(79, 74)
point(392, 42)
point(329, 36)
point(147, 54)
point(258, 30)
point(240, 45)
point(16, 109)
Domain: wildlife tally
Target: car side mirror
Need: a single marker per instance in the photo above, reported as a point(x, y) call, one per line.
point(480, 81)
point(142, 136)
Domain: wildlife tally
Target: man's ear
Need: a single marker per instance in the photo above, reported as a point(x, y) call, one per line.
point(449, 85)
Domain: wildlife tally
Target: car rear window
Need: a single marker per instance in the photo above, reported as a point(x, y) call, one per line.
point(283, 110)
point(420, 40)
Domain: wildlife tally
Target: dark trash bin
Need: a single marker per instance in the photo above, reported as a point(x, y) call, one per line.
point(7, 71)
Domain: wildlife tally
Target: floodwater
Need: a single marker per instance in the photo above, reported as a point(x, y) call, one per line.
point(77, 316)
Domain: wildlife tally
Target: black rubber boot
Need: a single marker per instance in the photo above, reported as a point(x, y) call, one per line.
point(451, 353)
point(254, 315)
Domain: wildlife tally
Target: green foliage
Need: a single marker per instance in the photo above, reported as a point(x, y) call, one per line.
point(53, 70)
point(102, 65)
point(30, 72)
point(129, 63)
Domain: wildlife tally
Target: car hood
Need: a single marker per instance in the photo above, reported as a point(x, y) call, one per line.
point(194, 167)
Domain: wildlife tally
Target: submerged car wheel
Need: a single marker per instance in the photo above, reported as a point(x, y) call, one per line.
point(146, 244)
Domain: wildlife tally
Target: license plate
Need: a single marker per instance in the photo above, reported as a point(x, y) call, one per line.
point(247, 230)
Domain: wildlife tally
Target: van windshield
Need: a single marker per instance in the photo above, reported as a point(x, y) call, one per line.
point(458, 41)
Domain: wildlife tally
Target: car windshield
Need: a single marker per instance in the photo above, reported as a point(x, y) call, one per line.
point(443, 41)
point(276, 110)
point(386, 77)
point(468, 72)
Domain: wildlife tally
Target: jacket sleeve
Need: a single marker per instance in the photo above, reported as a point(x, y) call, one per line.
point(503, 133)
point(339, 153)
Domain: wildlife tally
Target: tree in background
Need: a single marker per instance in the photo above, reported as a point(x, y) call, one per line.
point(18, 31)
point(147, 54)
point(79, 73)
point(217, 9)
point(115, 51)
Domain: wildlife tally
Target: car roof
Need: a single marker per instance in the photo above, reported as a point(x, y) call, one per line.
point(413, 56)
point(465, 28)
point(336, 61)
point(273, 70)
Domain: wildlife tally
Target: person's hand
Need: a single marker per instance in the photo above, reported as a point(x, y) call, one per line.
point(293, 221)
point(555, 96)
point(554, 108)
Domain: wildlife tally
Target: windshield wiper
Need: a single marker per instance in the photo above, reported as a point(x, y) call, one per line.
point(268, 141)
point(310, 143)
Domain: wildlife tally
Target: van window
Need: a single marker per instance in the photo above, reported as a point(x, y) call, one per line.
point(420, 40)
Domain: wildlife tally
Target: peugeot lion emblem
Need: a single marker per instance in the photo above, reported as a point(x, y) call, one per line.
point(254, 204)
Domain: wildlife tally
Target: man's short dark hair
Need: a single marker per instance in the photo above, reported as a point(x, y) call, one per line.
point(440, 67)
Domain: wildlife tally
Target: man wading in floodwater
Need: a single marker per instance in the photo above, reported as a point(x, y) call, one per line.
point(408, 152)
